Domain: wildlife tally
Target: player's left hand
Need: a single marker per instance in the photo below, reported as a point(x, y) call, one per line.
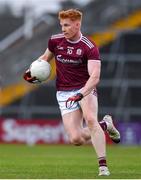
point(71, 100)
point(27, 76)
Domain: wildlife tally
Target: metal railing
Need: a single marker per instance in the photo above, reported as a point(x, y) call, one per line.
point(20, 32)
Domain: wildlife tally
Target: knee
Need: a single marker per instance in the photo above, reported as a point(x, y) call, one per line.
point(76, 140)
point(92, 123)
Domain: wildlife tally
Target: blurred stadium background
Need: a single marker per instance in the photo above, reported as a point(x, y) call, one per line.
point(29, 113)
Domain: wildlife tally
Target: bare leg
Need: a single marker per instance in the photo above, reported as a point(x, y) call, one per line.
point(86, 131)
point(90, 109)
point(79, 135)
point(73, 125)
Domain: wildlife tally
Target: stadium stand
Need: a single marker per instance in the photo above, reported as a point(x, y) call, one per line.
point(122, 72)
point(9, 24)
point(118, 36)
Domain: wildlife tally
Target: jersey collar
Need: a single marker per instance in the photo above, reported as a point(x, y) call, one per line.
point(74, 42)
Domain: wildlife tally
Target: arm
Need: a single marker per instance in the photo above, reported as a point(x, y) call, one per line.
point(94, 69)
point(47, 56)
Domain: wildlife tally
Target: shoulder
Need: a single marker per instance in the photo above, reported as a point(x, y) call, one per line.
point(92, 51)
point(54, 41)
point(57, 36)
point(88, 42)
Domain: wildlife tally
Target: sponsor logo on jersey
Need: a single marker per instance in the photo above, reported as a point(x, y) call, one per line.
point(68, 61)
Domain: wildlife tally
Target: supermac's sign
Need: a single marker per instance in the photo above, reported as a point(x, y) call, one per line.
point(32, 131)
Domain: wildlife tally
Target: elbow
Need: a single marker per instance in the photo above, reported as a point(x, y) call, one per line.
point(44, 57)
point(97, 81)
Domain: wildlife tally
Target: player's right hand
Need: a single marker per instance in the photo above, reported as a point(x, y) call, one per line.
point(71, 100)
point(27, 76)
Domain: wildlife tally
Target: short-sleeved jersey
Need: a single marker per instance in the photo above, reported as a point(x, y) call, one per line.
point(71, 60)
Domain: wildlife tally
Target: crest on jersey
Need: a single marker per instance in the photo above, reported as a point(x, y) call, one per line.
point(79, 51)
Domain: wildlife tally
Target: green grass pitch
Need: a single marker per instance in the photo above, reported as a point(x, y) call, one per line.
point(67, 162)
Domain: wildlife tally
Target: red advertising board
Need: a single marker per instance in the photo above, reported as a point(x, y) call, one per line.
point(32, 131)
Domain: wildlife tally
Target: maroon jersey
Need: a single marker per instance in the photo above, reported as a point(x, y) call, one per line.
point(71, 60)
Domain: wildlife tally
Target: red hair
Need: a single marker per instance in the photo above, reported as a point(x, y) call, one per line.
point(71, 14)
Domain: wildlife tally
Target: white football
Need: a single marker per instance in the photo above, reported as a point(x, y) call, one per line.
point(40, 69)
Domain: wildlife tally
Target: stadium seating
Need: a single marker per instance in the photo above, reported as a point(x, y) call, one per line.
point(9, 24)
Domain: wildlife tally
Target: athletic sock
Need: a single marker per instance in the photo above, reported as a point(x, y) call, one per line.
point(102, 161)
point(103, 125)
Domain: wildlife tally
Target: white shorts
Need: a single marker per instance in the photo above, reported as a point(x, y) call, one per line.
point(62, 97)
